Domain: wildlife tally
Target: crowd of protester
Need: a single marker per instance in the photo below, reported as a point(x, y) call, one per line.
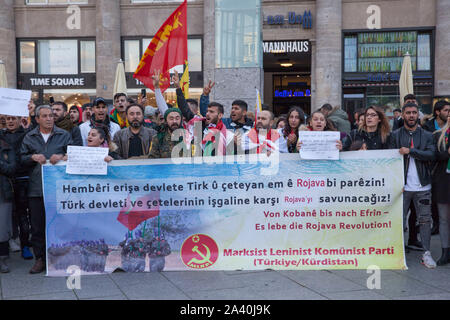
point(131, 131)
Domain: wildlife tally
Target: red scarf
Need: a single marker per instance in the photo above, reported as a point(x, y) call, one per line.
point(272, 136)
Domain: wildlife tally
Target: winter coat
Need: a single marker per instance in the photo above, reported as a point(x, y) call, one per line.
point(340, 120)
point(34, 143)
point(162, 145)
point(8, 162)
point(14, 139)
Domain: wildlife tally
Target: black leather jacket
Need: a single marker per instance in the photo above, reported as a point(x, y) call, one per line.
point(423, 151)
point(14, 139)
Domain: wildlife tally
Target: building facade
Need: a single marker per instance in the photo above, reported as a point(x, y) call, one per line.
point(295, 52)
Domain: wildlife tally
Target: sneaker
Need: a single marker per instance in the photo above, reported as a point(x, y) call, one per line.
point(415, 245)
point(13, 246)
point(427, 260)
point(26, 253)
point(3, 266)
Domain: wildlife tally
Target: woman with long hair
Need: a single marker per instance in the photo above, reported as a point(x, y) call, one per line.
point(441, 187)
point(99, 137)
point(289, 134)
point(374, 132)
point(318, 122)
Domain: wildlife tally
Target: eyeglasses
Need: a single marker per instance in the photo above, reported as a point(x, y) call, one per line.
point(371, 115)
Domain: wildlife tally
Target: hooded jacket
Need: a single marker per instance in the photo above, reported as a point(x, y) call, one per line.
point(80, 113)
point(340, 120)
point(70, 127)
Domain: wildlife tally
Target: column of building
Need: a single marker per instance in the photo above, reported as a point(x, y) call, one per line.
point(108, 45)
point(234, 82)
point(328, 54)
point(442, 49)
point(8, 41)
point(209, 43)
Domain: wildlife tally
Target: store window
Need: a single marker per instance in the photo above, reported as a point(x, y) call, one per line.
point(27, 57)
point(87, 58)
point(132, 55)
point(388, 97)
point(424, 52)
point(384, 51)
point(56, 57)
point(238, 40)
point(31, 2)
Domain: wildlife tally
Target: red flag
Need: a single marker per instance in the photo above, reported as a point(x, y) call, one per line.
point(167, 49)
point(131, 216)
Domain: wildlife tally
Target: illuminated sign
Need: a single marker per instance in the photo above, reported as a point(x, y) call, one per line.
point(383, 77)
point(304, 20)
point(286, 46)
point(292, 93)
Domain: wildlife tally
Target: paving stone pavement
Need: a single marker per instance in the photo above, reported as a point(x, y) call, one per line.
point(416, 283)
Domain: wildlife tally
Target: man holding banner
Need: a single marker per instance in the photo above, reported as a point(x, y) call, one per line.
point(418, 148)
point(45, 142)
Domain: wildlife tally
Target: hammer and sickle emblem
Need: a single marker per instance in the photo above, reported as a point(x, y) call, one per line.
point(205, 258)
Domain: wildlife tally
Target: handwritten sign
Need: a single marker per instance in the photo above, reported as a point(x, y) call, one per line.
point(319, 145)
point(14, 102)
point(86, 160)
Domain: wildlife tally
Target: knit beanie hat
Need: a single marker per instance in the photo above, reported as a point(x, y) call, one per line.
point(172, 110)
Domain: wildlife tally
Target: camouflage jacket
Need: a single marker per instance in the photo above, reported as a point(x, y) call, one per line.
point(162, 146)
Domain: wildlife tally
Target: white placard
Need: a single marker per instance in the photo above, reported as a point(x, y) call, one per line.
point(319, 145)
point(14, 102)
point(86, 160)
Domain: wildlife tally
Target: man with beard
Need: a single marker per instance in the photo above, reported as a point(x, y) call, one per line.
point(162, 143)
point(119, 113)
point(262, 138)
point(87, 112)
point(63, 121)
point(100, 116)
point(238, 120)
point(441, 111)
point(134, 141)
point(212, 125)
point(76, 115)
point(418, 148)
